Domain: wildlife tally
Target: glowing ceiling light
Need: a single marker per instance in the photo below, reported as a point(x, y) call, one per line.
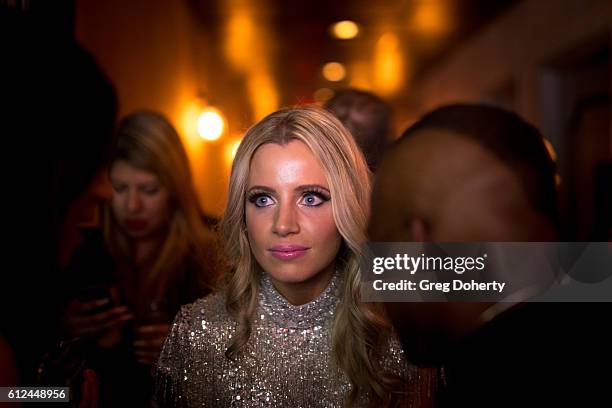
point(210, 124)
point(263, 93)
point(432, 18)
point(334, 71)
point(345, 30)
point(389, 68)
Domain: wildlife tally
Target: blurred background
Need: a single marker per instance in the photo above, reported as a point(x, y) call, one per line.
point(215, 67)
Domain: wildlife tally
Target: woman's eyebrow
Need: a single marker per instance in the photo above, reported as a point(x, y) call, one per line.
point(149, 183)
point(299, 189)
point(309, 187)
point(261, 188)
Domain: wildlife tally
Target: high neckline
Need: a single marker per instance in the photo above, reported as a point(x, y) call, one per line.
point(309, 315)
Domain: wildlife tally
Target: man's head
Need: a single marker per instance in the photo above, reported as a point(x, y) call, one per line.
point(462, 173)
point(466, 173)
point(367, 117)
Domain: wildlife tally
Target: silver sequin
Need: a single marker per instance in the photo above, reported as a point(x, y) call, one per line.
point(287, 361)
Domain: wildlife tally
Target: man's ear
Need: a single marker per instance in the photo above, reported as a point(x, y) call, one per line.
point(419, 231)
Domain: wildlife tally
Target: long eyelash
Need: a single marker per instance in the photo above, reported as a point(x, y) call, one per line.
point(254, 195)
point(322, 194)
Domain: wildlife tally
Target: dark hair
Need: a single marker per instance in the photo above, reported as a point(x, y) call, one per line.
point(88, 117)
point(367, 117)
point(511, 139)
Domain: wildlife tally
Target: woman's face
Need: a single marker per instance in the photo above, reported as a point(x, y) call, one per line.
point(140, 203)
point(289, 219)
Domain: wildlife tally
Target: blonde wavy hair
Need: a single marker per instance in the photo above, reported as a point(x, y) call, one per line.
point(359, 331)
point(147, 141)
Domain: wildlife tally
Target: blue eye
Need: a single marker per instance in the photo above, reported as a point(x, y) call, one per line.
point(313, 199)
point(261, 200)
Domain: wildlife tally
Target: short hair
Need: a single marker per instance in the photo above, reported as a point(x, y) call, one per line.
point(512, 140)
point(367, 118)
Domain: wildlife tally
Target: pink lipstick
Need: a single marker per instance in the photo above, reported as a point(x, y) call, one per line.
point(288, 252)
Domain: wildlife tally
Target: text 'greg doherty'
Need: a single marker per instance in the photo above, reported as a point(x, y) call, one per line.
point(426, 285)
point(412, 264)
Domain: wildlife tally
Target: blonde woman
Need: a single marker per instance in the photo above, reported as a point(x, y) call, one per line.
point(156, 255)
point(288, 330)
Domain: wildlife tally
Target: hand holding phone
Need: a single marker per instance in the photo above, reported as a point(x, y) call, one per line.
point(94, 314)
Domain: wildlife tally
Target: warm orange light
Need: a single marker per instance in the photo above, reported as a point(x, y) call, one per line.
point(248, 46)
point(334, 71)
point(345, 30)
point(210, 124)
point(322, 95)
point(553, 155)
point(230, 150)
point(361, 77)
point(241, 38)
point(551, 150)
point(262, 93)
point(432, 18)
point(189, 124)
point(388, 68)
point(235, 147)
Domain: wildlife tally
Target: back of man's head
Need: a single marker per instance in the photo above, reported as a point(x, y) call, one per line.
point(461, 173)
point(367, 117)
point(466, 173)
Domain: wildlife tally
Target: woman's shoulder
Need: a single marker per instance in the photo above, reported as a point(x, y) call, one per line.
point(201, 330)
point(394, 361)
point(205, 313)
point(199, 336)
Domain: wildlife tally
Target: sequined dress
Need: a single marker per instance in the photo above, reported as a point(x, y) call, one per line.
point(287, 361)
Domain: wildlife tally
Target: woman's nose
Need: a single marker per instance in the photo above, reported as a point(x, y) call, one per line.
point(285, 220)
point(134, 202)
